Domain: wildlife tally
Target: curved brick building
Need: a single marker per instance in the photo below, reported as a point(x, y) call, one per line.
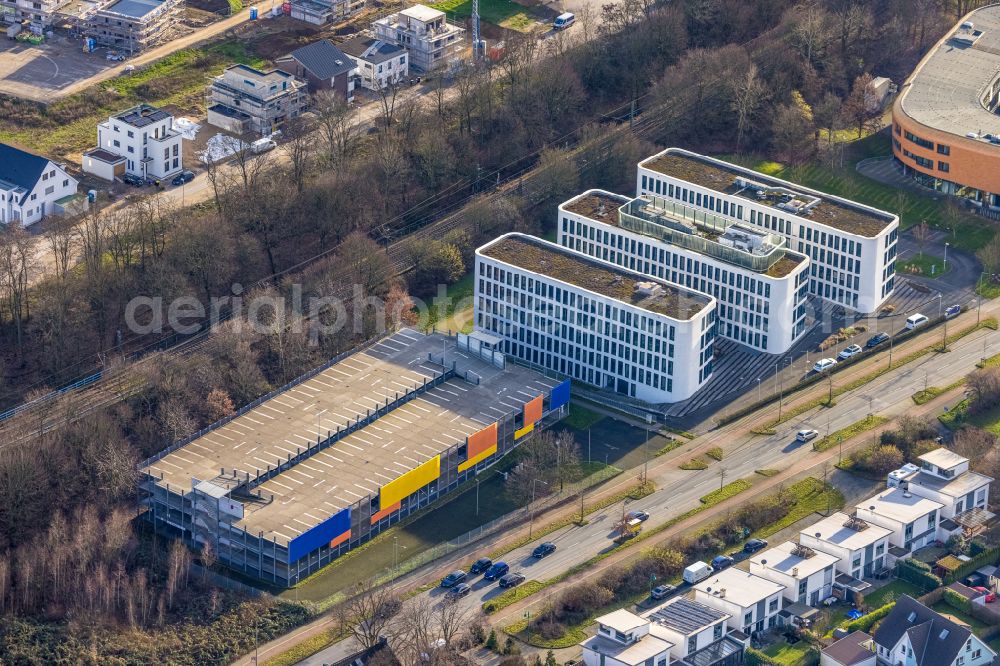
point(946, 129)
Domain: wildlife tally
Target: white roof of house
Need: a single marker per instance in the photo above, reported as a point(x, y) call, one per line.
point(899, 505)
point(943, 458)
point(622, 620)
point(781, 559)
point(739, 587)
point(832, 530)
point(422, 13)
point(632, 654)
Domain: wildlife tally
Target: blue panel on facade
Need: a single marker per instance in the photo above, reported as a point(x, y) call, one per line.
point(324, 533)
point(560, 395)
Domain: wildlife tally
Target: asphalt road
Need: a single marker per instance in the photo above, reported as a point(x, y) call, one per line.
point(679, 490)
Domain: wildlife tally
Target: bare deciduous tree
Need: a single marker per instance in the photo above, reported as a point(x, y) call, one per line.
point(337, 122)
point(369, 612)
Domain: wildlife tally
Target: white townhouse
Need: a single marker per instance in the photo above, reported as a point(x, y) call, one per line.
point(379, 63)
point(425, 33)
point(626, 639)
point(31, 186)
point(914, 635)
point(141, 141)
point(911, 519)
point(944, 476)
point(759, 283)
point(593, 321)
point(806, 574)
point(699, 633)
point(861, 548)
point(851, 246)
point(752, 602)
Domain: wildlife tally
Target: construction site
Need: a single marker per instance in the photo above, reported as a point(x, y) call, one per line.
point(320, 466)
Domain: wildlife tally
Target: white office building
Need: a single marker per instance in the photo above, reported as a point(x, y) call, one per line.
point(141, 141)
point(760, 285)
point(852, 247)
point(752, 602)
point(593, 321)
point(806, 574)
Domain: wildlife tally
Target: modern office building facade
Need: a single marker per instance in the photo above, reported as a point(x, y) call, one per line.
point(760, 285)
point(945, 122)
point(593, 321)
point(851, 247)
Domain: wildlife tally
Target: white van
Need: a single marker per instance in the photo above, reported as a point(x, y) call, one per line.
point(563, 21)
point(697, 572)
point(261, 146)
point(915, 321)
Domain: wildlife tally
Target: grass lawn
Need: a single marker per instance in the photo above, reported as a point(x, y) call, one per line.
point(67, 127)
point(503, 13)
point(925, 264)
point(784, 654)
point(581, 418)
point(977, 627)
point(891, 592)
point(811, 496)
point(959, 416)
point(456, 313)
point(725, 492)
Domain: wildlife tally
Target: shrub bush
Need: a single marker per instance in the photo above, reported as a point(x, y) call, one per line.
point(866, 622)
point(956, 600)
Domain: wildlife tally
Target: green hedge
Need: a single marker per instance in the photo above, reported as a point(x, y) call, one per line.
point(754, 657)
point(956, 600)
point(985, 557)
point(918, 573)
point(866, 622)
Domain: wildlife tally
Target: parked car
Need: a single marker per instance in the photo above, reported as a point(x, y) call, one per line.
point(916, 321)
point(806, 435)
point(134, 181)
point(261, 146)
point(183, 177)
point(696, 572)
point(563, 21)
point(639, 515)
point(824, 364)
point(512, 580)
point(544, 549)
point(876, 340)
point(990, 594)
point(453, 579)
point(753, 545)
point(661, 591)
point(952, 311)
point(480, 565)
point(459, 591)
point(849, 351)
point(496, 570)
point(114, 56)
point(720, 562)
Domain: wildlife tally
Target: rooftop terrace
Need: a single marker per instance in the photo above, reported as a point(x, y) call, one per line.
point(554, 261)
point(721, 176)
point(947, 88)
point(359, 464)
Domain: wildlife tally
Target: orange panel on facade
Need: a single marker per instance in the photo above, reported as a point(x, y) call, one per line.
point(379, 515)
point(533, 411)
point(341, 539)
point(481, 441)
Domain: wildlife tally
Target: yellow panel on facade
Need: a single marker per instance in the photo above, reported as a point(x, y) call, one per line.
point(409, 483)
point(518, 434)
point(479, 457)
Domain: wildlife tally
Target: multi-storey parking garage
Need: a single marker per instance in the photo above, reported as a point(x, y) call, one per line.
point(320, 466)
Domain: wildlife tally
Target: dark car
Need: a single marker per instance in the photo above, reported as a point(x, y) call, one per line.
point(639, 515)
point(876, 340)
point(459, 591)
point(720, 562)
point(134, 181)
point(541, 551)
point(453, 579)
point(661, 591)
point(497, 570)
point(512, 580)
point(753, 545)
point(952, 311)
point(183, 177)
point(481, 565)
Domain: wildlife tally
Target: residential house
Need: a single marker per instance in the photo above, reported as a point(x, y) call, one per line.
point(699, 634)
point(379, 63)
point(626, 639)
point(752, 602)
point(944, 476)
point(806, 574)
point(132, 25)
point(323, 66)
point(244, 100)
point(912, 519)
point(860, 548)
point(140, 141)
point(31, 186)
point(431, 41)
point(914, 635)
point(319, 12)
point(854, 649)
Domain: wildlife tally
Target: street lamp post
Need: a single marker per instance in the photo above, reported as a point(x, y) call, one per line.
point(477, 495)
point(944, 265)
point(318, 414)
point(758, 389)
